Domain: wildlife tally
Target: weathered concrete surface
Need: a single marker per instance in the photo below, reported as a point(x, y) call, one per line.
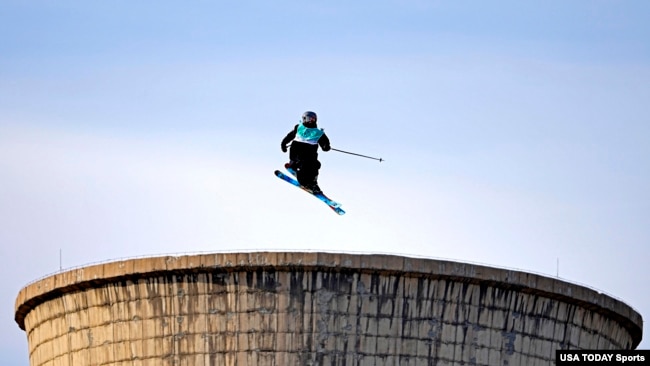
point(313, 309)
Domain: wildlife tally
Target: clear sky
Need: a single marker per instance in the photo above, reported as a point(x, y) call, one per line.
point(515, 133)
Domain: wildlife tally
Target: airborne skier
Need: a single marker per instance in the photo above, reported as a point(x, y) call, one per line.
point(303, 156)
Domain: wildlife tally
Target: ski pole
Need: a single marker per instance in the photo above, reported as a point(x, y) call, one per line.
point(363, 156)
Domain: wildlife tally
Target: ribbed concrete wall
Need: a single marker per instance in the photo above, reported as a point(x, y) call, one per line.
point(313, 309)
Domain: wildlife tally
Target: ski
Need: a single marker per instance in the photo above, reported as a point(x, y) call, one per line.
point(322, 197)
point(335, 206)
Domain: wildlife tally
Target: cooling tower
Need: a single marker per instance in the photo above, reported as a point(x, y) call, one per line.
point(282, 309)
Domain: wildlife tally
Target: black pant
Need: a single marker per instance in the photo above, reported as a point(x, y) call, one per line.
point(304, 160)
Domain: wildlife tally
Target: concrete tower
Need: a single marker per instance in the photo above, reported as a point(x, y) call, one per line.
point(292, 308)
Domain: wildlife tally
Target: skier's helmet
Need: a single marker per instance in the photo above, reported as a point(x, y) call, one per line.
point(309, 117)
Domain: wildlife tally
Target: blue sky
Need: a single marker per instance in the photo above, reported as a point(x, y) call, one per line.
point(515, 134)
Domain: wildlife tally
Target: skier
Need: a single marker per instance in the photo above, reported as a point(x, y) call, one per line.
point(303, 157)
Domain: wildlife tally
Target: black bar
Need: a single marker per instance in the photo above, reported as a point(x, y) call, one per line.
point(603, 358)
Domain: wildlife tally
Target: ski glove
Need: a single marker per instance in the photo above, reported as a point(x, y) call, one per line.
point(284, 148)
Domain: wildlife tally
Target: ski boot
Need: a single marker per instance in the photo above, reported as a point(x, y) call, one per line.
point(314, 188)
point(289, 168)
